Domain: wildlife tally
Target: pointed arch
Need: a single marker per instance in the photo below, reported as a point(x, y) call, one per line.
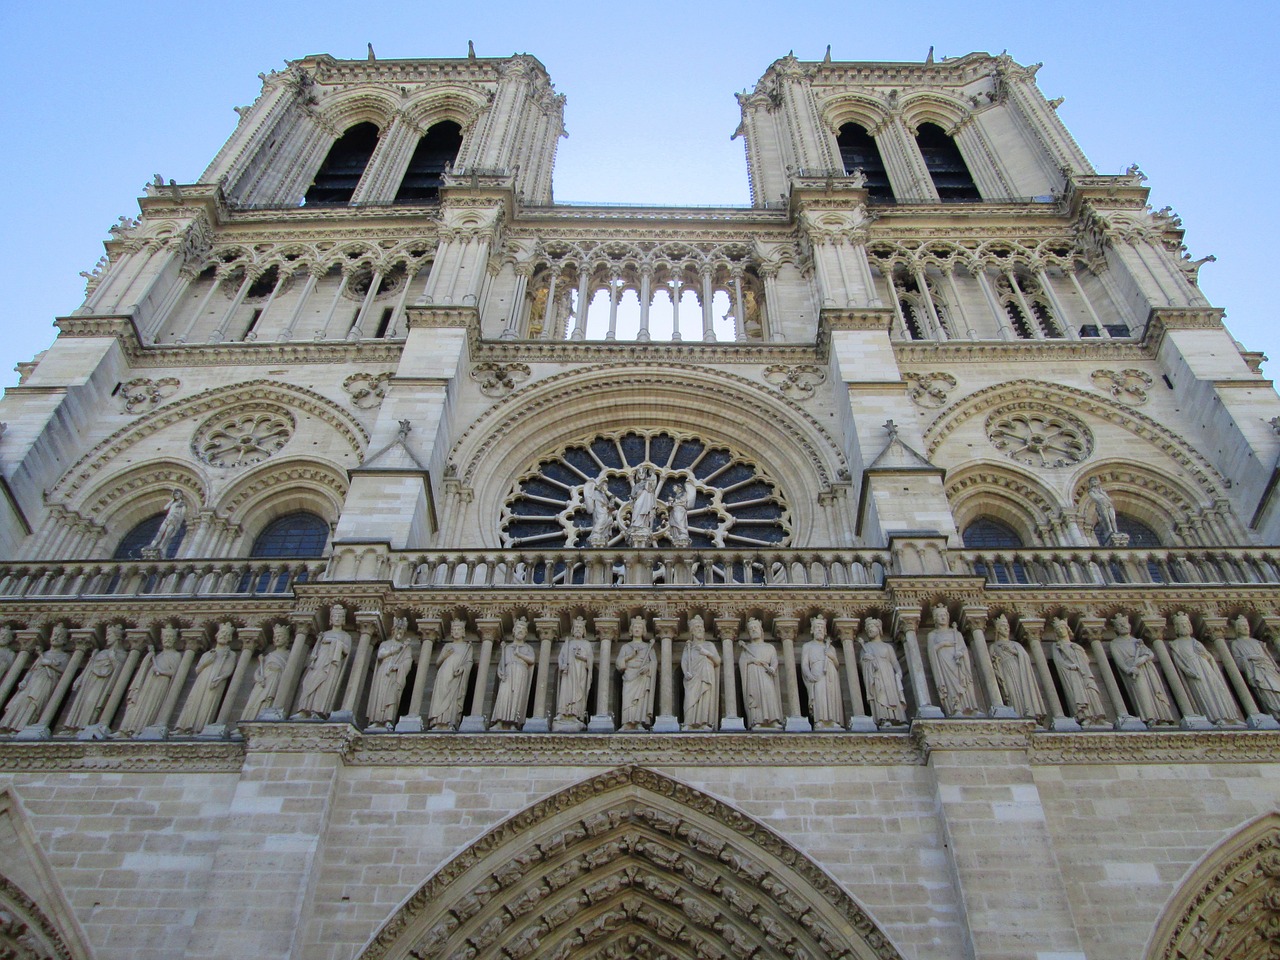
point(628, 860)
point(1228, 905)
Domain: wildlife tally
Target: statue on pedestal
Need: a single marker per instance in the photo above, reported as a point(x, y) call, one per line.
point(637, 665)
point(93, 687)
point(1256, 666)
point(213, 670)
point(882, 676)
point(150, 684)
point(175, 515)
point(1137, 665)
point(1015, 673)
point(700, 664)
point(453, 670)
point(1081, 694)
point(952, 672)
point(267, 675)
point(820, 667)
point(34, 691)
point(758, 663)
point(324, 669)
point(1201, 674)
point(515, 676)
point(575, 663)
point(390, 672)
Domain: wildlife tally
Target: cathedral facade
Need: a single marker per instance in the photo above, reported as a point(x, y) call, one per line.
point(398, 563)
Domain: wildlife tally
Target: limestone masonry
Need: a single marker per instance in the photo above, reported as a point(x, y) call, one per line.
point(400, 564)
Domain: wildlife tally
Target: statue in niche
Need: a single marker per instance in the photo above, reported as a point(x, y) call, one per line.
point(1082, 696)
point(515, 677)
point(1015, 673)
point(37, 686)
point(7, 653)
point(1106, 510)
point(678, 508)
point(1201, 674)
point(93, 686)
point(391, 667)
point(267, 675)
point(820, 667)
point(644, 506)
point(952, 672)
point(1137, 665)
point(213, 670)
point(758, 662)
point(1256, 666)
point(637, 665)
point(700, 664)
point(882, 676)
point(175, 515)
point(597, 499)
point(453, 670)
point(149, 686)
point(324, 668)
point(575, 664)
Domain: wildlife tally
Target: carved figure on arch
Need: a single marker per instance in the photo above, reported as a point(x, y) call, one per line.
point(150, 684)
point(1015, 673)
point(1141, 673)
point(700, 665)
point(175, 515)
point(267, 675)
point(1256, 666)
point(599, 502)
point(453, 671)
point(324, 668)
point(1110, 535)
point(678, 508)
point(882, 676)
point(213, 670)
point(952, 670)
point(637, 665)
point(1080, 690)
point(644, 506)
point(390, 672)
point(575, 664)
point(515, 676)
point(37, 686)
point(1201, 674)
point(93, 686)
point(758, 662)
point(820, 667)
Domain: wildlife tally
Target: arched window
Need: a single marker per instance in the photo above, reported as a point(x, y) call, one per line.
point(438, 148)
point(858, 151)
point(950, 175)
point(131, 544)
point(1140, 535)
point(297, 535)
point(988, 533)
point(344, 166)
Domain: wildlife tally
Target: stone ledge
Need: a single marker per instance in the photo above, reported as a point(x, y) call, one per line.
point(150, 757)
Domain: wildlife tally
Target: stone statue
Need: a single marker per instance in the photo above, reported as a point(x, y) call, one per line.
point(175, 515)
point(678, 508)
point(213, 670)
point(7, 653)
point(1106, 510)
point(1080, 689)
point(391, 667)
point(267, 675)
point(952, 672)
point(93, 686)
point(820, 668)
point(596, 498)
point(575, 663)
point(453, 670)
point(36, 687)
point(644, 505)
point(1201, 674)
point(637, 665)
point(700, 664)
point(758, 662)
point(515, 676)
point(882, 676)
point(324, 668)
point(1137, 665)
point(1256, 666)
point(151, 683)
point(1015, 673)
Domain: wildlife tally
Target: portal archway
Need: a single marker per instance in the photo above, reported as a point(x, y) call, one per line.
point(630, 864)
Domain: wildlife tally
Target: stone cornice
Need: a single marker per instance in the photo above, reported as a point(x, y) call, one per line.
point(1156, 747)
point(1161, 320)
point(746, 216)
point(628, 352)
point(186, 756)
point(1020, 351)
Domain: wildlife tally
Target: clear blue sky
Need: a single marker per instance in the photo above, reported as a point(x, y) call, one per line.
point(101, 96)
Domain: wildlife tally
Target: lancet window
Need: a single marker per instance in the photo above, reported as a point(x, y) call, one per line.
point(344, 166)
point(946, 166)
point(858, 151)
point(300, 534)
point(921, 312)
point(437, 150)
point(132, 543)
point(1027, 307)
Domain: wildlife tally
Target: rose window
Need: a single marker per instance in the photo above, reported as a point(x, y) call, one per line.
point(239, 439)
point(641, 489)
point(1040, 439)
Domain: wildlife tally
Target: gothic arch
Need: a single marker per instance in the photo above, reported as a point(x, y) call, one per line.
point(1139, 491)
point(1007, 494)
point(765, 427)
point(866, 112)
point(1228, 905)
point(630, 863)
point(361, 106)
point(933, 108)
point(124, 499)
point(1210, 482)
point(454, 101)
point(274, 489)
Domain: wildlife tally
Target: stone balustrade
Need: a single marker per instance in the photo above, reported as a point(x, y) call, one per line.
point(173, 578)
point(1104, 566)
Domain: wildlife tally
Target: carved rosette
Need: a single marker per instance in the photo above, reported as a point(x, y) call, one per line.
point(1129, 385)
point(796, 381)
point(367, 390)
point(142, 393)
point(929, 390)
point(1039, 435)
point(499, 379)
point(242, 437)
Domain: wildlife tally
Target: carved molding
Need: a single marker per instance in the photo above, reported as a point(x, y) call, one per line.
point(124, 756)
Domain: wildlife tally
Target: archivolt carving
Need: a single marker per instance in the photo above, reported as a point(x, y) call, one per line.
point(237, 438)
point(218, 398)
point(971, 491)
point(1039, 436)
point(1060, 396)
point(300, 480)
point(145, 393)
point(1229, 906)
point(25, 932)
point(630, 863)
point(158, 478)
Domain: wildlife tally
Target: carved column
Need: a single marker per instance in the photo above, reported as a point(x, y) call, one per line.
point(612, 332)
point(905, 622)
point(739, 306)
point(646, 294)
point(490, 629)
point(677, 290)
point(548, 629)
point(1064, 321)
point(85, 640)
point(1153, 631)
point(666, 721)
point(279, 708)
point(979, 272)
point(606, 629)
point(708, 320)
point(430, 629)
point(957, 309)
point(357, 330)
point(308, 288)
point(1091, 629)
point(976, 621)
point(193, 641)
point(138, 640)
point(727, 631)
point(584, 303)
point(847, 630)
point(220, 333)
point(1216, 627)
point(786, 628)
point(368, 622)
point(1031, 632)
point(28, 644)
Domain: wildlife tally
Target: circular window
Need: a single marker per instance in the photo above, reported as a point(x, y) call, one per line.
point(241, 438)
point(1040, 438)
point(641, 489)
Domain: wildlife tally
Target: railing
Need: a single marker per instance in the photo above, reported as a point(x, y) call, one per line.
point(1105, 567)
point(611, 568)
point(138, 578)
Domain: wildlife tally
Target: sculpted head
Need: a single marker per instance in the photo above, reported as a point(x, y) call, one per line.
point(637, 628)
point(458, 629)
point(1181, 625)
point(874, 628)
point(115, 634)
point(941, 617)
point(818, 627)
point(59, 637)
point(579, 628)
point(337, 616)
point(697, 629)
point(399, 627)
point(226, 633)
point(1061, 630)
point(1001, 627)
point(755, 629)
point(1094, 483)
point(280, 636)
point(520, 630)
point(1122, 625)
point(168, 636)
point(1242, 626)
point(6, 636)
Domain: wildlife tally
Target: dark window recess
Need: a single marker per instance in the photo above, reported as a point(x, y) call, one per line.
point(988, 534)
point(858, 151)
point(299, 535)
point(1118, 329)
point(130, 546)
point(264, 285)
point(253, 322)
point(951, 178)
point(437, 148)
point(384, 322)
point(1089, 330)
point(344, 166)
